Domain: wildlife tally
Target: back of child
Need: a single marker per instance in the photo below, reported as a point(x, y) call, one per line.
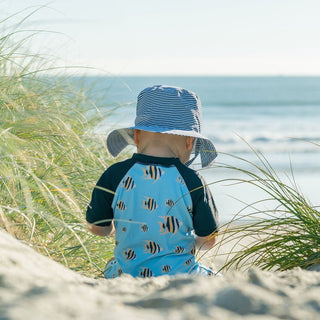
point(157, 203)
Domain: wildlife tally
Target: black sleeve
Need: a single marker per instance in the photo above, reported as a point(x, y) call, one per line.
point(205, 214)
point(99, 211)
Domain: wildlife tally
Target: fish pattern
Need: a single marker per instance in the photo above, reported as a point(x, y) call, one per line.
point(188, 262)
point(170, 203)
point(166, 268)
point(120, 205)
point(179, 249)
point(129, 254)
point(170, 225)
point(144, 228)
point(128, 183)
point(145, 273)
point(149, 204)
point(152, 247)
point(153, 172)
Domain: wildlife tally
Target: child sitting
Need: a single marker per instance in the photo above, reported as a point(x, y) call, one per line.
point(158, 207)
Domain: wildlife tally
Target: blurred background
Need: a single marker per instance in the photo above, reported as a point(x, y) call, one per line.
point(254, 64)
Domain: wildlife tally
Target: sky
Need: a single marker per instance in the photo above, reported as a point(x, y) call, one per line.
point(176, 37)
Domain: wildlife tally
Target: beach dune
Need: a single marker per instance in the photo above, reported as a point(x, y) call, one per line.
point(35, 287)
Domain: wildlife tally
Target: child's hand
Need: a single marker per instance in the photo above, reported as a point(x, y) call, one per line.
point(206, 243)
point(102, 231)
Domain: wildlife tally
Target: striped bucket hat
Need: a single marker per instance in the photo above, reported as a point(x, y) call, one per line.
point(170, 110)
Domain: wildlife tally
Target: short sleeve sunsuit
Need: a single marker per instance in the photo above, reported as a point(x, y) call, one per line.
point(157, 205)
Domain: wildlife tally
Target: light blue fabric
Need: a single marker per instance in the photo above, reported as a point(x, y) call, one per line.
point(153, 220)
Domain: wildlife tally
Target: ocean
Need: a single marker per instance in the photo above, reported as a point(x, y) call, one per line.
point(277, 116)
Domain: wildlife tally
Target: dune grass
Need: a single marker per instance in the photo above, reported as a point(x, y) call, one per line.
point(284, 235)
point(49, 163)
point(49, 160)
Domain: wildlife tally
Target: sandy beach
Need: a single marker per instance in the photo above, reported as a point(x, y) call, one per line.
point(35, 287)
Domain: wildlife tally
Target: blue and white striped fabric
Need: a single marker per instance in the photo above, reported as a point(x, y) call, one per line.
point(170, 110)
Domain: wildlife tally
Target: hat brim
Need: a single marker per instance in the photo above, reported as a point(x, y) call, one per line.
point(119, 139)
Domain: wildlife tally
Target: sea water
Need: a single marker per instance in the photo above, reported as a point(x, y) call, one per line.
point(277, 116)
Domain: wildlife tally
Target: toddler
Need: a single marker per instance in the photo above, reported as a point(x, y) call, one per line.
point(159, 209)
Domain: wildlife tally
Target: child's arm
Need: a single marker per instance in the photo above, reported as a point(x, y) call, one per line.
point(206, 243)
point(102, 231)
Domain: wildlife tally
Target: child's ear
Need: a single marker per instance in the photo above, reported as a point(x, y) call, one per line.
point(189, 143)
point(136, 137)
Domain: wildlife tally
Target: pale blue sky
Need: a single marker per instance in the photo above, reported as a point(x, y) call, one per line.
point(226, 37)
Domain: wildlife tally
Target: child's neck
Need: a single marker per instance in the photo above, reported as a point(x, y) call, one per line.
point(158, 151)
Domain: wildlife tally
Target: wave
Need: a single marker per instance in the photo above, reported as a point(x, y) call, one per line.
point(263, 103)
point(266, 144)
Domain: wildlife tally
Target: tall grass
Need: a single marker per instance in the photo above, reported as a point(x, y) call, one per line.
point(49, 163)
point(284, 235)
point(49, 160)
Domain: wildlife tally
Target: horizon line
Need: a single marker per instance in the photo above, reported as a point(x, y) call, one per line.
point(103, 74)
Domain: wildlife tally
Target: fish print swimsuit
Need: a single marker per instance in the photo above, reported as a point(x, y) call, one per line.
point(157, 205)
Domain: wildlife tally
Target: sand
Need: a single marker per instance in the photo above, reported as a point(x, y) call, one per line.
point(35, 287)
